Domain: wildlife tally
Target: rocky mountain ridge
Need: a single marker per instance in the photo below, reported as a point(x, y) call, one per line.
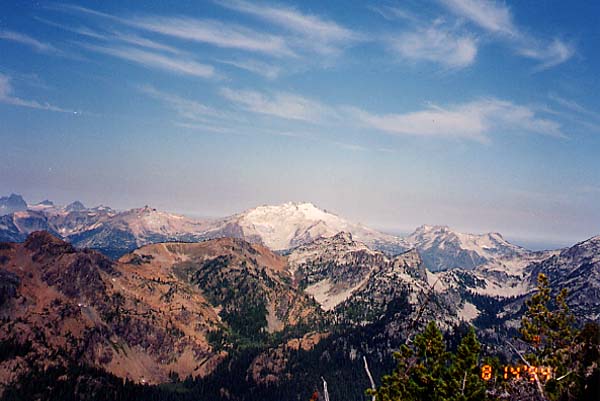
point(164, 308)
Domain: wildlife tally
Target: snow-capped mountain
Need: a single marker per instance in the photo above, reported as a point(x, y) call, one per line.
point(443, 249)
point(279, 227)
point(289, 225)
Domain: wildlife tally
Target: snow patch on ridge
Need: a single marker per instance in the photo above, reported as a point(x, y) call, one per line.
point(468, 312)
point(328, 295)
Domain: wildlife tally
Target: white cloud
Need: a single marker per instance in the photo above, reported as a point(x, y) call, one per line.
point(279, 104)
point(474, 120)
point(27, 41)
point(436, 44)
point(215, 33)
point(489, 15)
point(497, 18)
point(392, 13)
point(136, 40)
point(212, 32)
point(185, 108)
point(114, 36)
point(156, 60)
point(266, 70)
point(573, 106)
point(549, 55)
point(207, 128)
point(317, 34)
point(7, 97)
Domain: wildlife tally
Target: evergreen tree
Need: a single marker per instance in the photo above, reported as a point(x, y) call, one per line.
point(550, 334)
point(431, 369)
point(464, 381)
point(574, 357)
point(428, 372)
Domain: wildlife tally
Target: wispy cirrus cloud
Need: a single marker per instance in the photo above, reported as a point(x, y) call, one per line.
point(216, 33)
point(266, 70)
point(113, 35)
point(27, 41)
point(473, 121)
point(436, 44)
point(279, 104)
point(185, 108)
point(315, 33)
point(577, 114)
point(211, 32)
point(573, 106)
point(489, 15)
point(7, 97)
point(153, 60)
point(497, 18)
point(394, 13)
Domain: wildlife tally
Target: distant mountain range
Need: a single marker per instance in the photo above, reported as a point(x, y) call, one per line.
point(280, 228)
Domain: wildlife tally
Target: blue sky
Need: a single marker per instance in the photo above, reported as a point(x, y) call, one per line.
point(477, 114)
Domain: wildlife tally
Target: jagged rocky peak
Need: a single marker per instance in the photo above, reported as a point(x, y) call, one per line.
point(42, 242)
point(342, 236)
point(11, 204)
point(578, 270)
point(342, 239)
point(103, 208)
point(40, 238)
point(427, 229)
point(76, 206)
point(340, 249)
point(45, 202)
point(412, 264)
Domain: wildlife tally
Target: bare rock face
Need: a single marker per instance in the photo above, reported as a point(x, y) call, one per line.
point(11, 204)
point(578, 270)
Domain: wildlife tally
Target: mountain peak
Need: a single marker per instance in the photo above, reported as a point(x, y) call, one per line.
point(427, 228)
point(11, 204)
point(301, 204)
point(75, 207)
point(343, 236)
point(43, 240)
point(12, 198)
